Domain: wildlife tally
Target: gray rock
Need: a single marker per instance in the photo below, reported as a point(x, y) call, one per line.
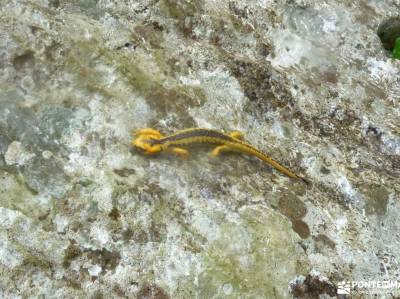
point(83, 214)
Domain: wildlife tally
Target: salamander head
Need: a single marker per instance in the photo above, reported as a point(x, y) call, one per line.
point(147, 144)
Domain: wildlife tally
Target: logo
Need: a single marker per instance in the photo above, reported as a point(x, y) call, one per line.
point(368, 286)
point(343, 288)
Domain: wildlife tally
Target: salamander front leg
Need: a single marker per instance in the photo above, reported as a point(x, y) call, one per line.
point(145, 147)
point(181, 152)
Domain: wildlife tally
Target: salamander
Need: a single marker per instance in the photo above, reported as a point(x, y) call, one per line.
point(151, 142)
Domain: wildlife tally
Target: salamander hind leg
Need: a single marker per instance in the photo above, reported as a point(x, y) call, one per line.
point(219, 149)
point(237, 135)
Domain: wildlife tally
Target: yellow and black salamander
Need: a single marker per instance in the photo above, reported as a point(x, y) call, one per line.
point(151, 142)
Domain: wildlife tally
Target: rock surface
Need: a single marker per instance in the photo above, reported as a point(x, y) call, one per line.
point(82, 215)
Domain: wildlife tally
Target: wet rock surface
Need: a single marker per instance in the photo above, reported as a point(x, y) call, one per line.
point(83, 215)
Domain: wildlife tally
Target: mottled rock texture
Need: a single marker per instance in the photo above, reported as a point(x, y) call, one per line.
point(83, 215)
